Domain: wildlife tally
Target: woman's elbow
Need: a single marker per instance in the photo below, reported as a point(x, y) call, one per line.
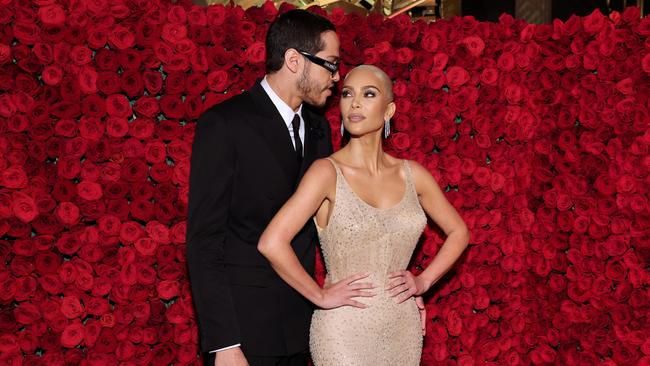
point(465, 236)
point(264, 245)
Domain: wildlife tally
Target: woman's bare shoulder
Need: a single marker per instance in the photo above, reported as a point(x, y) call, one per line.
point(322, 168)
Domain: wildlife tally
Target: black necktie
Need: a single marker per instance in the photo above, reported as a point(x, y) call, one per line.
point(295, 123)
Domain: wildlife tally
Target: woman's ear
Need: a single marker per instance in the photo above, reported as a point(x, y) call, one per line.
point(292, 59)
point(390, 111)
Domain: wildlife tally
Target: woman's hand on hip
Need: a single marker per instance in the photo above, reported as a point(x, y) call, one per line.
point(342, 293)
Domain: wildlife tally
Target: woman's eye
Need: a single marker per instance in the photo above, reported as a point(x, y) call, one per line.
point(369, 93)
point(345, 93)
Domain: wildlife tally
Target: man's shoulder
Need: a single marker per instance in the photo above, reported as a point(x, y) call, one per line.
point(313, 114)
point(239, 103)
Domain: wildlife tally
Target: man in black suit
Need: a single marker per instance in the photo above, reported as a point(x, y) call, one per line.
point(249, 153)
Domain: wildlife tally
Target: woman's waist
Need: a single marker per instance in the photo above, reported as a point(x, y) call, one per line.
point(380, 305)
point(379, 277)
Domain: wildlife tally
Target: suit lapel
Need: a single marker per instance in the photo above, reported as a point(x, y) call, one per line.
point(272, 127)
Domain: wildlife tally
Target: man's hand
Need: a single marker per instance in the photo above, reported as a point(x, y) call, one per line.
point(230, 357)
point(423, 314)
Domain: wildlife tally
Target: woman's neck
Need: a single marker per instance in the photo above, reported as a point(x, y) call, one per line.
point(367, 152)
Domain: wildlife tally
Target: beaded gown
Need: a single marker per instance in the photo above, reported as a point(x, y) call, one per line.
point(360, 238)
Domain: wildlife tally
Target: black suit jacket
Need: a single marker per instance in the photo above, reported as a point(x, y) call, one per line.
point(243, 169)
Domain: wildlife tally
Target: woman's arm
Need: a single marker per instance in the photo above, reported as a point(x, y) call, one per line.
point(275, 243)
point(403, 284)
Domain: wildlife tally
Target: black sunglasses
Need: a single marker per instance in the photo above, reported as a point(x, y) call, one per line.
point(327, 65)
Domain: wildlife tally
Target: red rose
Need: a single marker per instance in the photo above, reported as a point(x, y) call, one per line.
point(134, 170)
point(8, 345)
point(117, 126)
point(132, 83)
point(456, 76)
point(175, 83)
point(177, 62)
point(97, 306)
point(172, 106)
point(506, 62)
point(81, 55)
point(146, 246)
point(142, 311)
point(68, 244)
point(430, 41)
point(146, 275)
point(645, 63)
point(489, 76)
point(474, 45)
point(173, 32)
point(158, 232)
point(97, 38)
point(256, 53)
point(168, 290)
point(152, 81)
point(92, 329)
point(90, 191)
point(13, 177)
point(404, 55)
point(121, 38)
point(108, 83)
point(71, 307)
point(130, 232)
point(400, 141)
point(117, 105)
point(165, 254)
point(72, 335)
point(5, 53)
point(196, 16)
point(181, 174)
point(90, 172)
point(141, 128)
point(52, 75)
point(218, 81)
point(195, 84)
point(194, 106)
point(513, 93)
point(47, 262)
point(26, 313)
point(67, 213)
point(177, 232)
point(24, 207)
point(26, 33)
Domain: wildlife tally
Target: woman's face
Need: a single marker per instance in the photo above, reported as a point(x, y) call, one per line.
point(365, 104)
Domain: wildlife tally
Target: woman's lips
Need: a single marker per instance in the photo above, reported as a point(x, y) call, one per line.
point(355, 117)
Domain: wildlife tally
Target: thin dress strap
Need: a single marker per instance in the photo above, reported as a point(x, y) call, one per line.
point(336, 166)
point(410, 185)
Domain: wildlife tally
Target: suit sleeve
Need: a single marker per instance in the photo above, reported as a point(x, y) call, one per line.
point(212, 168)
point(328, 136)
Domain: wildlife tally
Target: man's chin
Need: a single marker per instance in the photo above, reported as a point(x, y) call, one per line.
point(320, 102)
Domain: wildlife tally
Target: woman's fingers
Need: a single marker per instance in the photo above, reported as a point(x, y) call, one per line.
point(363, 294)
point(405, 296)
point(361, 286)
point(356, 304)
point(395, 282)
point(356, 277)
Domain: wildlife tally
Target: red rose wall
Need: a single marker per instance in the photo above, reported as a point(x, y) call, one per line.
point(538, 133)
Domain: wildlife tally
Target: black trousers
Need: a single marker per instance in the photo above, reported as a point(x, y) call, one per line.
point(300, 359)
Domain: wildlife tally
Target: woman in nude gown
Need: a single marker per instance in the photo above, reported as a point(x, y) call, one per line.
point(369, 209)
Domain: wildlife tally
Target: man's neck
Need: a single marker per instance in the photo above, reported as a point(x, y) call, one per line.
point(284, 90)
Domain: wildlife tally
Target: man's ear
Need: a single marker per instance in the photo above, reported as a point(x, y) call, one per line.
point(293, 60)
